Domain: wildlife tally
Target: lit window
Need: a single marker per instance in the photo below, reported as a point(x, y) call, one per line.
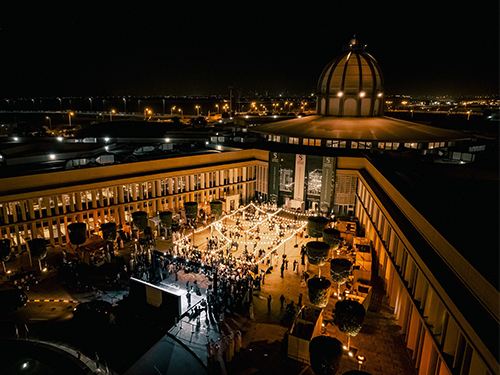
point(354, 144)
point(305, 142)
point(381, 145)
point(318, 142)
point(343, 144)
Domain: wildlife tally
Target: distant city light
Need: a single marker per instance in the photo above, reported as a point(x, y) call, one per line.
point(106, 139)
point(167, 140)
point(60, 139)
point(16, 139)
point(52, 156)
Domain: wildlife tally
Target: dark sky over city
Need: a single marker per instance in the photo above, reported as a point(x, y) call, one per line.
point(52, 48)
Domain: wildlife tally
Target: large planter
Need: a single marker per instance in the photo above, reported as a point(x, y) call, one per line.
point(317, 252)
point(332, 237)
point(216, 208)
point(191, 209)
point(319, 290)
point(340, 269)
point(166, 219)
point(140, 219)
point(349, 316)
point(77, 233)
point(325, 353)
point(5, 251)
point(109, 231)
point(315, 226)
point(38, 248)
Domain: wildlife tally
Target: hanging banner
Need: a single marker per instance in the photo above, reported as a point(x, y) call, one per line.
point(327, 183)
point(300, 172)
point(273, 185)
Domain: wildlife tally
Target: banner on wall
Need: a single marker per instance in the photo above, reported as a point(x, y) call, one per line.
point(300, 172)
point(327, 183)
point(273, 185)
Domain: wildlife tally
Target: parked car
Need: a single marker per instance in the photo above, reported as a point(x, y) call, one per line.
point(95, 311)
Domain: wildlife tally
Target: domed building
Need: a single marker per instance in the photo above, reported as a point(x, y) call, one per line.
point(351, 85)
point(350, 115)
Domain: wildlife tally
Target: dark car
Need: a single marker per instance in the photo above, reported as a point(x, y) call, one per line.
point(95, 311)
point(12, 299)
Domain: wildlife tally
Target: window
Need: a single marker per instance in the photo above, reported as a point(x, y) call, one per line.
point(305, 142)
point(381, 145)
point(343, 144)
point(318, 142)
point(354, 144)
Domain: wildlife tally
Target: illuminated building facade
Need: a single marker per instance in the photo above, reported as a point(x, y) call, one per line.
point(447, 308)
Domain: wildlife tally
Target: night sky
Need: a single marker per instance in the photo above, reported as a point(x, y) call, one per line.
point(62, 48)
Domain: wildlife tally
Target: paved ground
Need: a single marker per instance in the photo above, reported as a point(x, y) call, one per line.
point(379, 340)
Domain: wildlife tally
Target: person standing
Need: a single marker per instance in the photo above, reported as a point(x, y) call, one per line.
point(300, 300)
point(294, 265)
point(282, 300)
point(269, 299)
point(282, 269)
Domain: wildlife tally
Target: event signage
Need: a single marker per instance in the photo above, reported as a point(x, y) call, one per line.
point(300, 172)
point(326, 183)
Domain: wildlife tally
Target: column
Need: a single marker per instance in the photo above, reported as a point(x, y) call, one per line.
point(171, 185)
point(121, 195)
point(31, 210)
point(217, 178)
point(46, 203)
point(244, 174)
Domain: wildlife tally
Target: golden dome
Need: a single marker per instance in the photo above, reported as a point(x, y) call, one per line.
point(351, 85)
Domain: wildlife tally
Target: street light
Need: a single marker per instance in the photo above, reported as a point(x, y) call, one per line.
point(111, 114)
point(69, 116)
point(171, 111)
point(180, 110)
point(197, 110)
point(217, 108)
point(147, 111)
point(50, 122)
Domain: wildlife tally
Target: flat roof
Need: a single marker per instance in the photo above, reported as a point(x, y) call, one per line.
point(359, 128)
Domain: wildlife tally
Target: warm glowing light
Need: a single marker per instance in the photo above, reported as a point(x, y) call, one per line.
point(362, 94)
point(60, 139)
point(340, 94)
point(379, 94)
point(52, 156)
point(167, 140)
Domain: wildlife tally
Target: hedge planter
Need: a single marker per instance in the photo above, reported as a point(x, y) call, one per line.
point(315, 225)
point(140, 219)
point(319, 290)
point(109, 231)
point(166, 219)
point(340, 269)
point(77, 233)
point(349, 316)
point(38, 249)
point(191, 209)
point(325, 353)
point(216, 209)
point(5, 250)
point(317, 252)
point(332, 237)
